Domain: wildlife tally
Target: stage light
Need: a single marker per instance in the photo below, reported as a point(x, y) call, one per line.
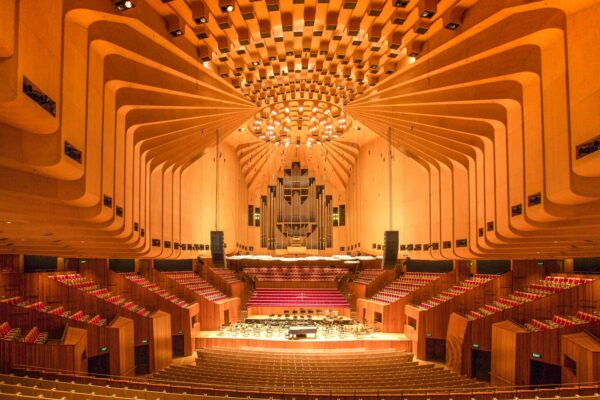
point(123, 5)
point(200, 12)
point(226, 6)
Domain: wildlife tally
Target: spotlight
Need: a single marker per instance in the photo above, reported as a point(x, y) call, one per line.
point(451, 25)
point(200, 12)
point(123, 5)
point(226, 6)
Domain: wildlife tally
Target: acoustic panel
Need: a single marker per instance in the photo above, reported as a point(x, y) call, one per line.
point(217, 247)
point(390, 249)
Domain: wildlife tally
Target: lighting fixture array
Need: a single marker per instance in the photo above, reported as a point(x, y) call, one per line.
point(315, 120)
point(322, 52)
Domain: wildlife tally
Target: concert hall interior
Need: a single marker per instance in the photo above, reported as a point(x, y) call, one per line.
point(299, 199)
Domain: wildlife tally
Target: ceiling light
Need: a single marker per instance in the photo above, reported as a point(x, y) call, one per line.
point(242, 129)
point(123, 5)
point(357, 128)
point(255, 63)
point(287, 110)
point(314, 109)
point(412, 59)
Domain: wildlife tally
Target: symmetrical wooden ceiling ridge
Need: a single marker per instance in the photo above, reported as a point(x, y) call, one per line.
point(276, 50)
point(110, 111)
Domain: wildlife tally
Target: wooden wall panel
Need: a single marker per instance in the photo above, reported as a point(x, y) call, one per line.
point(584, 350)
point(510, 355)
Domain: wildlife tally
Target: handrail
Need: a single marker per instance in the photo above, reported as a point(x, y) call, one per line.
point(262, 390)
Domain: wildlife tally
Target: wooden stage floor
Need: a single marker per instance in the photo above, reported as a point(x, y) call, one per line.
point(375, 341)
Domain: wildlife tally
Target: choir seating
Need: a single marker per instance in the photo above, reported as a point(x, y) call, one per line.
point(297, 298)
point(404, 285)
point(548, 286)
point(197, 284)
point(296, 273)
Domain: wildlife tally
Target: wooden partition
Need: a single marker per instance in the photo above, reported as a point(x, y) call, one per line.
point(510, 354)
point(183, 319)
point(67, 354)
point(567, 302)
point(393, 314)
point(459, 328)
point(421, 325)
point(212, 314)
point(364, 290)
point(232, 289)
point(513, 349)
point(580, 358)
point(117, 337)
point(55, 293)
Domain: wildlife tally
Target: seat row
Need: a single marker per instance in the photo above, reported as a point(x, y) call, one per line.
point(49, 385)
point(296, 273)
point(557, 321)
point(57, 310)
point(405, 284)
point(457, 290)
point(297, 298)
point(14, 334)
point(154, 288)
point(197, 284)
point(301, 371)
point(91, 288)
point(549, 285)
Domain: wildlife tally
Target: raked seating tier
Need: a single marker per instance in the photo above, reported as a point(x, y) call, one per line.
point(549, 285)
point(197, 284)
point(405, 284)
point(297, 298)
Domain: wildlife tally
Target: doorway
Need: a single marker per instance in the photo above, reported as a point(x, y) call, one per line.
point(142, 360)
point(99, 365)
point(481, 365)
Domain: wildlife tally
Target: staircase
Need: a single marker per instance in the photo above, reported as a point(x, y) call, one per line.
point(243, 315)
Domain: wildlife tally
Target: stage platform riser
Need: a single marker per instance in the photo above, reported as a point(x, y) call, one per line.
point(369, 344)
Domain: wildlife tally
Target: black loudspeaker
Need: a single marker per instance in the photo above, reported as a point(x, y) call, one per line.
point(390, 252)
point(217, 248)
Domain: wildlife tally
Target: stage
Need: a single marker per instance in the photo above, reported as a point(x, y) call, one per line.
point(374, 341)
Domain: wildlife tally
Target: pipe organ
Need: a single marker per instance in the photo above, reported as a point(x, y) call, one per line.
point(296, 213)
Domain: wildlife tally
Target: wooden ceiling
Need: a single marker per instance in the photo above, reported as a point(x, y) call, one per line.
point(277, 50)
